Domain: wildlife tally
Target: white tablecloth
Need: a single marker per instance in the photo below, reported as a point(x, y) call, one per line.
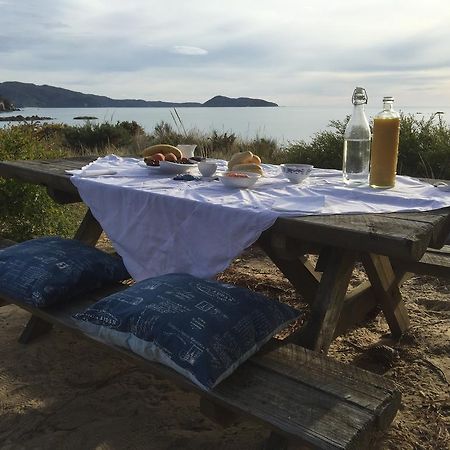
point(161, 226)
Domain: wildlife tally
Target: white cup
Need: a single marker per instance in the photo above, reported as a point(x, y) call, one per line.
point(187, 150)
point(207, 167)
point(296, 173)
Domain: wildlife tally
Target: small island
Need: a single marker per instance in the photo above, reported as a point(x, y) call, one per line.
point(8, 106)
point(21, 118)
point(220, 101)
point(85, 118)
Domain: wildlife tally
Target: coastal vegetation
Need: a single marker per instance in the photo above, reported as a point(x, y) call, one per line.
point(20, 118)
point(27, 211)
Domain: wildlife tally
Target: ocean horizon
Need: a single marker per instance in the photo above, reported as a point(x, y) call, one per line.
point(284, 123)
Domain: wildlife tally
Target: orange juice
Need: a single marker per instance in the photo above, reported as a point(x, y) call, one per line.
point(384, 152)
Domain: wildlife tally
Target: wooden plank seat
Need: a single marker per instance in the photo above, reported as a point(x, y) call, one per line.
point(301, 395)
point(435, 262)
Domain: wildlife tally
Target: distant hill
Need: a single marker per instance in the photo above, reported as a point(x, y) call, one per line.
point(32, 95)
point(220, 100)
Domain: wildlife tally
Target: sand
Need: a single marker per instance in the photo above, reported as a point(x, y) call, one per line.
point(60, 392)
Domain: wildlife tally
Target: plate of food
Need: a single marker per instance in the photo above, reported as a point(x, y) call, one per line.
point(166, 159)
point(152, 167)
point(239, 180)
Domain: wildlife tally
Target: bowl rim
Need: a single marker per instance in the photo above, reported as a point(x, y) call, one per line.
point(208, 161)
point(249, 174)
point(176, 164)
point(240, 182)
point(297, 165)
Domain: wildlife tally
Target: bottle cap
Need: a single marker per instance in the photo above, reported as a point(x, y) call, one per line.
point(359, 96)
point(388, 99)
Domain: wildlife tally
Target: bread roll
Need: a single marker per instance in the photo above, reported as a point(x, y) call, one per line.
point(250, 167)
point(240, 158)
point(162, 148)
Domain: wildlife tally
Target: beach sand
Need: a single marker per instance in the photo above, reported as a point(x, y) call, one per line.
point(62, 392)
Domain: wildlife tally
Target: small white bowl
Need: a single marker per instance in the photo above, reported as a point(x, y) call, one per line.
point(296, 173)
point(207, 167)
point(240, 180)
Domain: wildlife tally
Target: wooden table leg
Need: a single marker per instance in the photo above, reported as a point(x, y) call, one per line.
point(319, 331)
point(89, 230)
point(34, 328)
point(225, 417)
point(385, 284)
point(276, 441)
point(294, 266)
point(221, 415)
point(360, 305)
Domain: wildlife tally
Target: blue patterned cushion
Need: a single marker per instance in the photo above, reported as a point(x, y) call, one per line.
point(44, 271)
point(202, 329)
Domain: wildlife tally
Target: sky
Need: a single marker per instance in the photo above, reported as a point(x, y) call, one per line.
point(292, 52)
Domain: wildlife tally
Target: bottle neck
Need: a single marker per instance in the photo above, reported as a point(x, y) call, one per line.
point(388, 106)
point(358, 125)
point(358, 109)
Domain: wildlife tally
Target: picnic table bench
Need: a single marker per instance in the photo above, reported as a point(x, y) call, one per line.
point(303, 396)
point(435, 262)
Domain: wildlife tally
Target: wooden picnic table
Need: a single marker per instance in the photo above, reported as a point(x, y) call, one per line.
point(379, 241)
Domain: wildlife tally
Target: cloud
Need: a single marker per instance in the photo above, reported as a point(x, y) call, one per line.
point(187, 50)
point(294, 53)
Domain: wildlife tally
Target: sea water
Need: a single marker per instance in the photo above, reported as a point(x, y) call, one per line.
point(286, 124)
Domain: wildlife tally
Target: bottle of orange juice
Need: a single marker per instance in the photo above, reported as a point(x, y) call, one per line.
point(384, 152)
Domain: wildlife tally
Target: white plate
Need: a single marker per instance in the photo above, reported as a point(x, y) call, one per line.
point(175, 168)
point(442, 186)
point(240, 182)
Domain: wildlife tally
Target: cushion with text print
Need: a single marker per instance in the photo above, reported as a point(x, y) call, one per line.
point(44, 271)
point(202, 329)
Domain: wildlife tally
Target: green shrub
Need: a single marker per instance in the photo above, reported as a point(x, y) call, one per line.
point(27, 142)
point(92, 137)
point(164, 133)
point(267, 149)
point(424, 148)
point(222, 142)
point(26, 210)
point(324, 150)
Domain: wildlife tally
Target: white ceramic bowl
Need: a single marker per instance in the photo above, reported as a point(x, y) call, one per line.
point(296, 173)
point(207, 167)
point(174, 168)
point(240, 180)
